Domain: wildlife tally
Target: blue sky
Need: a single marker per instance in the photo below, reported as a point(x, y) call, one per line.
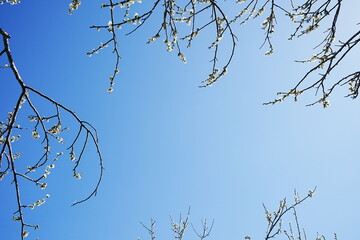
point(168, 144)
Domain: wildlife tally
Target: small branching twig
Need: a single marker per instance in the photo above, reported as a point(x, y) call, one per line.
point(173, 15)
point(206, 230)
point(179, 227)
point(309, 15)
point(275, 219)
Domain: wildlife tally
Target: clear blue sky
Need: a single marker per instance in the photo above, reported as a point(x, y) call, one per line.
point(168, 144)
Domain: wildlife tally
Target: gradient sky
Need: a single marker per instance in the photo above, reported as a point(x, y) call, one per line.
point(168, 144)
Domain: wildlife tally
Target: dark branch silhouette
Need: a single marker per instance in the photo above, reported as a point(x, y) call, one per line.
point(274, 219)
point(211, 16)
point(200, 16)
point(41, 130)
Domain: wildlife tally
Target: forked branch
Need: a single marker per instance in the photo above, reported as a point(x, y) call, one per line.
point(40, 129)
